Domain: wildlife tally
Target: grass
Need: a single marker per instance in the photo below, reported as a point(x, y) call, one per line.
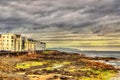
point(101, 75)
point(46, 52)
point(68, 68)
point(66, 62)
point(28, 64)
point(49, 68)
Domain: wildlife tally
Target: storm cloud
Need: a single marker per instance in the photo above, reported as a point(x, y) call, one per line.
point(53, 18)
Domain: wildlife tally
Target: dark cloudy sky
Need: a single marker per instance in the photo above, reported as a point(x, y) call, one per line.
point(57, 21)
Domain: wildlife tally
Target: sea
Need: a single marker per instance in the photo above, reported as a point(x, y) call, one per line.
point(115, 54)
point(91, 53)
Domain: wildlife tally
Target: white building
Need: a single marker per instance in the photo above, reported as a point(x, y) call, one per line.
point(15, 42)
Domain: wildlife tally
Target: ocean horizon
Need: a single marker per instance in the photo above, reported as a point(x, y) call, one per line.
point(90, 53)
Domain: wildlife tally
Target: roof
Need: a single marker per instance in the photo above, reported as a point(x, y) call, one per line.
point(18, 35)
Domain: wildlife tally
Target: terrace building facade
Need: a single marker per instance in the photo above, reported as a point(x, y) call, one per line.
point(15, 42)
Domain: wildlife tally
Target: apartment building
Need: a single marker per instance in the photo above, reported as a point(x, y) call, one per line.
point(15, 42)
point(0, 42)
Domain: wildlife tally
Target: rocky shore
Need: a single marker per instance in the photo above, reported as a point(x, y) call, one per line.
point(55, 65)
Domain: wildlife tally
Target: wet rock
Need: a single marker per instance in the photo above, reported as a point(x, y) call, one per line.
point(50, 79)
point(55, 76)
point(64, 78)
point(38, 72)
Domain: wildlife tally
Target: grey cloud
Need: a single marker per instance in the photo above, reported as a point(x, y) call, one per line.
point(77, 16)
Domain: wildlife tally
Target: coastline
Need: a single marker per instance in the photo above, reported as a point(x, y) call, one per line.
point(57, 65)
point(117, 77)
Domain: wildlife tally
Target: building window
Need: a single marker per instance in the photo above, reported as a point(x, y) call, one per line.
point(7, 40)
point(12, 40)
point(12, 37)
point(7, 36)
